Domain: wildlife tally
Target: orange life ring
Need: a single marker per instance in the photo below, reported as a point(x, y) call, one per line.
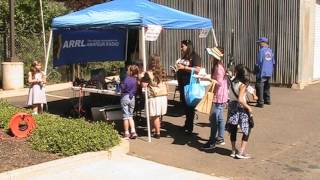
point(22, 124)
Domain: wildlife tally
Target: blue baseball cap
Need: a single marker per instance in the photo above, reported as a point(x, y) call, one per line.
point(263, 39)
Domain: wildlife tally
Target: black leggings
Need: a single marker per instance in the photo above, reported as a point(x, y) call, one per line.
point(189, 111)
point(233, 129)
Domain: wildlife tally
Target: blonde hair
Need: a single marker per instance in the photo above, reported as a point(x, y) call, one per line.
point(133, 70)
point(33, 68)
point(264, 44)
point(156, 68)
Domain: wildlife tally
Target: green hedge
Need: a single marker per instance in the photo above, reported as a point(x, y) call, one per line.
point(64, 136)
point(6, 112)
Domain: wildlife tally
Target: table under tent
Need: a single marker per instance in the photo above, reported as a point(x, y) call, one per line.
point(114, 17)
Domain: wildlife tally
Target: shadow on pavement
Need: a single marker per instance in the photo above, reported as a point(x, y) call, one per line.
point(192, 140)
point(200, 124)
point(175, 109)
point(170, 130)
point(64, 107)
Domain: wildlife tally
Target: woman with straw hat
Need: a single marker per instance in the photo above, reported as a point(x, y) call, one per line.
point(218, 73)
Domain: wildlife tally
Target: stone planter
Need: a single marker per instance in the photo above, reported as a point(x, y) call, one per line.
point(12, 75)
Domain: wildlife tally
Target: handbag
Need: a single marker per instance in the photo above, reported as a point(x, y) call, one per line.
point(204, 106)
point(250, 119)
point(194, 91)
point(155, 89)
point(251, 122)
point(158, 90)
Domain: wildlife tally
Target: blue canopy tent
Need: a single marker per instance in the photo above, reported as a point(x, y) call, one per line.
point(130, 13)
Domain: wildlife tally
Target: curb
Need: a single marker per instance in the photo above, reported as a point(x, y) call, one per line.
point(55, 166)
point(24, 91)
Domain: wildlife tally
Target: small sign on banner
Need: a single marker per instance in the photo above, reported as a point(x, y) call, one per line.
point(204, 33)
point(153, 32)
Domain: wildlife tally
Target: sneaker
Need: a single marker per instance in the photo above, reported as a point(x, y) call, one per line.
point(259, 105)
point(133, 135)
point(220, 142)
point(126, 136)
point(242, 156)
point(233, 153)
point(156, 136)
point(208, 146)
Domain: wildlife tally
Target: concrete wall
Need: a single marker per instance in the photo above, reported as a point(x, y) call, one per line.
point(306, 39)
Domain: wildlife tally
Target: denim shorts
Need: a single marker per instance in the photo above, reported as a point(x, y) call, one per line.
point(127, 105)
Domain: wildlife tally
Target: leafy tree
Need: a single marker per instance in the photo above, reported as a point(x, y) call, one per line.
point(28, 26)
point(80, 4)
point(27, 14)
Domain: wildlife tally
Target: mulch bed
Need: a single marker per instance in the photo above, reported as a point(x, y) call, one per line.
point(16, 153)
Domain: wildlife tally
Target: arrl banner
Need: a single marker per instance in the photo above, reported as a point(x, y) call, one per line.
point(82, 46)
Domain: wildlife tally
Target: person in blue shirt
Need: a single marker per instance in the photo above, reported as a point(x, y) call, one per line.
point(264, 69)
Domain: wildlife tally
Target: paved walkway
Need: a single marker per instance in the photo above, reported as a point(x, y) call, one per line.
point(24, 91)
point(284, 143)
point(115, 164)
point(103, 165)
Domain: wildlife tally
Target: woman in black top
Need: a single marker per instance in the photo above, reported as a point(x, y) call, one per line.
point(190, 60)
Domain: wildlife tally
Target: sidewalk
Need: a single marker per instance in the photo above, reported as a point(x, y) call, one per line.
point(113, 164)
point(24, 91)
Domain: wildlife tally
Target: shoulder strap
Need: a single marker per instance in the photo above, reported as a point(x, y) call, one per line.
point(232, 88)
point(192, 79)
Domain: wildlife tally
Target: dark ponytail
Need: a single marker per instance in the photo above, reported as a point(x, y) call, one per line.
point(242, 74)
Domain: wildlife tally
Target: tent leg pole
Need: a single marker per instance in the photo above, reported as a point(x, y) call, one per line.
point(146, 89)
point(48, 52)
point(214, 38)
point(43, 30)
point(126, 55)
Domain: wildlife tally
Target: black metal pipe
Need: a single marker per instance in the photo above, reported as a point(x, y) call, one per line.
point(12, 31)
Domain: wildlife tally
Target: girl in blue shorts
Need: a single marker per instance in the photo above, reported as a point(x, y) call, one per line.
point(128, 92)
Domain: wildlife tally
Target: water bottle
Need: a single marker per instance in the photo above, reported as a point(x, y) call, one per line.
point(118, 90)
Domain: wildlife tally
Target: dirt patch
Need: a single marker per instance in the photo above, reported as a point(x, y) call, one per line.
point(16, 153)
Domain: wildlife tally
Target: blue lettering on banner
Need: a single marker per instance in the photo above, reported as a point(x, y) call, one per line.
point(82, 46)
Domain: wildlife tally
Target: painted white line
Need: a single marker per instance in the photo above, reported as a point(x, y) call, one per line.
point(56, 96)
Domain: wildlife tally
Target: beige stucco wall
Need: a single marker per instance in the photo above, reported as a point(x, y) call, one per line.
point(306, 39)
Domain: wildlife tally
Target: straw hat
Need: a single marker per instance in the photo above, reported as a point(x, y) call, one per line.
point(215, 52)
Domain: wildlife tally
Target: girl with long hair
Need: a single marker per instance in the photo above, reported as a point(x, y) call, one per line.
point(218, 73)
point(37, 95)
point(189, 61)
point(155, 78)
point(239, 111)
